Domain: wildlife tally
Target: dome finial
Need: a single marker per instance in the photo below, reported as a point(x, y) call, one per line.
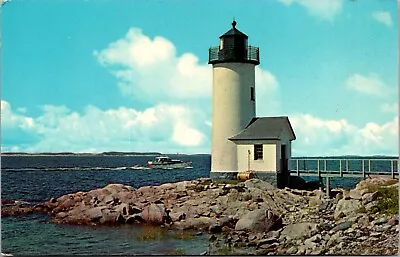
point(233, 23)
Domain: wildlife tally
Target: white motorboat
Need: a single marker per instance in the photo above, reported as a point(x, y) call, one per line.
point(164, 162)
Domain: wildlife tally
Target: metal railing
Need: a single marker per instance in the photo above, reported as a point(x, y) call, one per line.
point(344, 167)
point(227, 54)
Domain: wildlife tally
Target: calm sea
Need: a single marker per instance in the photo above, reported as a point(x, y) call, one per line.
point(38, 178)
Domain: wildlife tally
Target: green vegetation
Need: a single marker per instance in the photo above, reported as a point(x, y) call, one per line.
point(388, 197)
point(362, 209)
point(388, 200)
point(175, 252)
point(228, 251)
point(374, 187)
point(183, 235)
point(228, 181)
point(151, 233)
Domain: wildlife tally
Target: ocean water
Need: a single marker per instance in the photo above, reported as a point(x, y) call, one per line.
point(38, 178)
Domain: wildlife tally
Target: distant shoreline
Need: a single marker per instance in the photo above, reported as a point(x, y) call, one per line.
point(93, 154)
point(114, 153)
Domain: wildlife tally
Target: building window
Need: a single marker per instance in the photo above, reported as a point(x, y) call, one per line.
point(258, 152)
point(252, 98)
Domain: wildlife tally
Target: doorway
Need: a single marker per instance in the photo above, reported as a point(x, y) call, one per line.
point(283, 175)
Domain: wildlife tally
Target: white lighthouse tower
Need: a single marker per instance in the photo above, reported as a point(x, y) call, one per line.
point(233, 98)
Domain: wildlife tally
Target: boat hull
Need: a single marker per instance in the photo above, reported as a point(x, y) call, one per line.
point(170, 166)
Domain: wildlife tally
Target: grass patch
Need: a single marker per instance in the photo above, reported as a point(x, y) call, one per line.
point(388, 200)
point(373, 187)
point(183, 235)
point(150, 233)
point(362, 209)
point(227, 181)
point(226, 251)
point(175, 252)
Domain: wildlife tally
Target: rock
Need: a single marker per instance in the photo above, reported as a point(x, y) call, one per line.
point(134, 218)
point(299, 230)
point(309, 244)
point(212, 238)
point(316, 238)
point(383, 228)
point(155, 214)
point(379, 221)
point(375, 181)
point(346, 208)
point(343, 226)
point(177, 216)
point(194, 223)
point(334, 239)
point(215, 228)
point(375, 234)
point(260, 184)
point(364, 220)
point(291, 250)
point(346, 194)
point(369, 197)
point(259, 220)
point(393, 220)
point(109, 199)
point(16, 210)
point(356, 194)
point(266, 241)
point(111, 217)
point(325, 206)
point(228, 221)
point(372, 207)
point(94, 214)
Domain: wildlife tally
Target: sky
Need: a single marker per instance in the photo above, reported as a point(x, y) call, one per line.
point(133, 75)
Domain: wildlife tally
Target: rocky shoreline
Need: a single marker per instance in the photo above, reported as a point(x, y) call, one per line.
point(250, 217)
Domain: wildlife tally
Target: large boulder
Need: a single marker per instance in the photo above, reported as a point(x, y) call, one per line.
point(375, 181)
point(259, 220)
point(356, 193)
point(369, 197)
point(155, 214)
point(201, 223)
point(346, 208)
point(260, 184)
point(299, 230)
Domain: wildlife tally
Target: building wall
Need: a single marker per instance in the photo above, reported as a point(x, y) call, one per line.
point(232, 110)
point(268, 163)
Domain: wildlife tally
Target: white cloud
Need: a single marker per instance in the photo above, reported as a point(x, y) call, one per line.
point(319, 137)
point(175, 128)
point(151, 70)
point(390, 108)
point(369, 85)
point(11, 119)
point(322, 9)
point(383, 17)
point(267, 93)
point(187, 136)
point(160, 128)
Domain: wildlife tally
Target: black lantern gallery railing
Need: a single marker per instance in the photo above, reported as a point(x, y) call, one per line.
point(251, 54)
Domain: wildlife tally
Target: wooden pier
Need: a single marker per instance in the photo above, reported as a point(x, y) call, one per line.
point(319, 167)
point(328, 168)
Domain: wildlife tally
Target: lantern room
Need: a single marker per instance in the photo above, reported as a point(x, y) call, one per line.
point(233, 47)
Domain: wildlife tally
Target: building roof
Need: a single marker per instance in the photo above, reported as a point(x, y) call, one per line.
point(266, 128)
point(234, 32)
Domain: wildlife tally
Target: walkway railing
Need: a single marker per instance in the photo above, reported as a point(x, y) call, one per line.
point(329, 167)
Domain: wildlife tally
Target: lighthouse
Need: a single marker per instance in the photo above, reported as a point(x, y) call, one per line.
point(241, 141)
point(233, 97)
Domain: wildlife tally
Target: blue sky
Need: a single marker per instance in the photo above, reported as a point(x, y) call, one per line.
point(113, 75)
